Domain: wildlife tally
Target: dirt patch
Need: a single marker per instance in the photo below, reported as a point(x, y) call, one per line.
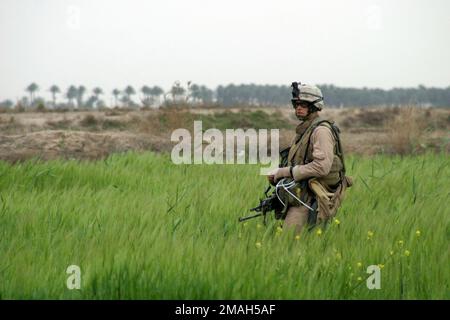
point(48, 145)
point(96, 134)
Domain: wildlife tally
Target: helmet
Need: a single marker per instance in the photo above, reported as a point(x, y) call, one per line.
point(308, 93)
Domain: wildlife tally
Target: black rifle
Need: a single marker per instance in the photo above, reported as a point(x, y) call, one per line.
point(269, 203)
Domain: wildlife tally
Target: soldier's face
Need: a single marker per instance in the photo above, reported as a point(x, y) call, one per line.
point(301, 110)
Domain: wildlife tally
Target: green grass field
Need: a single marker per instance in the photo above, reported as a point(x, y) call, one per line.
point(140, 227)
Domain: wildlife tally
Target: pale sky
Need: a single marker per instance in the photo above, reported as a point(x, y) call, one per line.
point(113, 43)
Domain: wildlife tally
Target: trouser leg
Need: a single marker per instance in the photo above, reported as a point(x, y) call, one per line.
point(296, 217)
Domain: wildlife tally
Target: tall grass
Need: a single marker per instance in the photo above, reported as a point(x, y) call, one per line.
point(140, 227)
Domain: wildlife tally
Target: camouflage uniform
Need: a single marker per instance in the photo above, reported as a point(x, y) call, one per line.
point(317, 165)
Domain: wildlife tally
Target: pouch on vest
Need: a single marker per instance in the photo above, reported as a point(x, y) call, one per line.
point(300, 190)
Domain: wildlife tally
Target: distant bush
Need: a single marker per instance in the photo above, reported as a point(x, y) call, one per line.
point(111, 113)
point(41, 107)
point(406, 132)
point(369, 118)
point(19, 108)
point(93, 123)
point(89, 121)
point(113, 124)
point(59, 125)
point(244, 119)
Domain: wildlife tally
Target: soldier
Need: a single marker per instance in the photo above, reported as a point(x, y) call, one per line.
point(311, 178)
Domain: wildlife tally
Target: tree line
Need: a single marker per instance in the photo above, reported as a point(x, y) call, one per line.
point(229, 95)
point(334, 96)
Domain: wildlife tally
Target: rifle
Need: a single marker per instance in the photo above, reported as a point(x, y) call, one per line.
point(269, 203)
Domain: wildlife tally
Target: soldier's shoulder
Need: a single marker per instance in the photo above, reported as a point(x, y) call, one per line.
point(324, 125)
point(330, 124)
point(323, 129)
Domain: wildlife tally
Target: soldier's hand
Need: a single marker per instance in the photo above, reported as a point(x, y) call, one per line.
point(278, 174)
point(271, 179)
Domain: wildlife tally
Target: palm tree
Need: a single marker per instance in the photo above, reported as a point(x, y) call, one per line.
point(91, 102)
point(97, 92)
point(129, 91)
point(206, 94)
point(32, 88)
point(54, 89)
point(116, 93)
point(147, 92)
point(177, 90)
point(6, 104)
point(71, 94)
point(156, 91)
point(125, 100)
point(80, 93)
point(194, 92)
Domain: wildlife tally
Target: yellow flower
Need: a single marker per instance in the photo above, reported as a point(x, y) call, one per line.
point(400, 243)
point(359, 278)
point(407, 253)
point(337, 222)
point(381, 266)
point(418, 233)
point(319, 232)
point(391, 252)
point(369, 235)
point(279, 229)
point(359, 264)
point(297, 237)
point(258, 244)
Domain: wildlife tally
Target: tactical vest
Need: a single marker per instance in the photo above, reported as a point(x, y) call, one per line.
point(301, 151)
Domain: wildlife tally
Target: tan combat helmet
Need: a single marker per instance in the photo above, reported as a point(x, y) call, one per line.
point(309, 93)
